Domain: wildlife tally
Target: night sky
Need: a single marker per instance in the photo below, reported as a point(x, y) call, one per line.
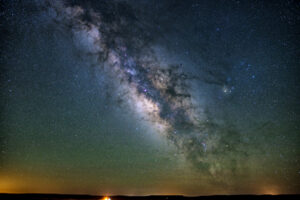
point(150, 97)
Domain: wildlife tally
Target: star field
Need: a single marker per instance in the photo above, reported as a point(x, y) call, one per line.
point(149, 97)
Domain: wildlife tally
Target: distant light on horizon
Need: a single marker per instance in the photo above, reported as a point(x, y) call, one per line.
point(273, 190)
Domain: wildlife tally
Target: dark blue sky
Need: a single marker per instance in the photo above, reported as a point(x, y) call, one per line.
point(150, 97)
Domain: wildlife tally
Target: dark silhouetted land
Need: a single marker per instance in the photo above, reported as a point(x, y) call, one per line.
point(154, 197)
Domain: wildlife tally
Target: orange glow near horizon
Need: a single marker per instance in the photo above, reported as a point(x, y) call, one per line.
point(271, 191)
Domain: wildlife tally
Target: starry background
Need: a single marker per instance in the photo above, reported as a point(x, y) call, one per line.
point(150, 97)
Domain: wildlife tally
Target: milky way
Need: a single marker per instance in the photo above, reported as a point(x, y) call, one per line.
point(158, 92)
